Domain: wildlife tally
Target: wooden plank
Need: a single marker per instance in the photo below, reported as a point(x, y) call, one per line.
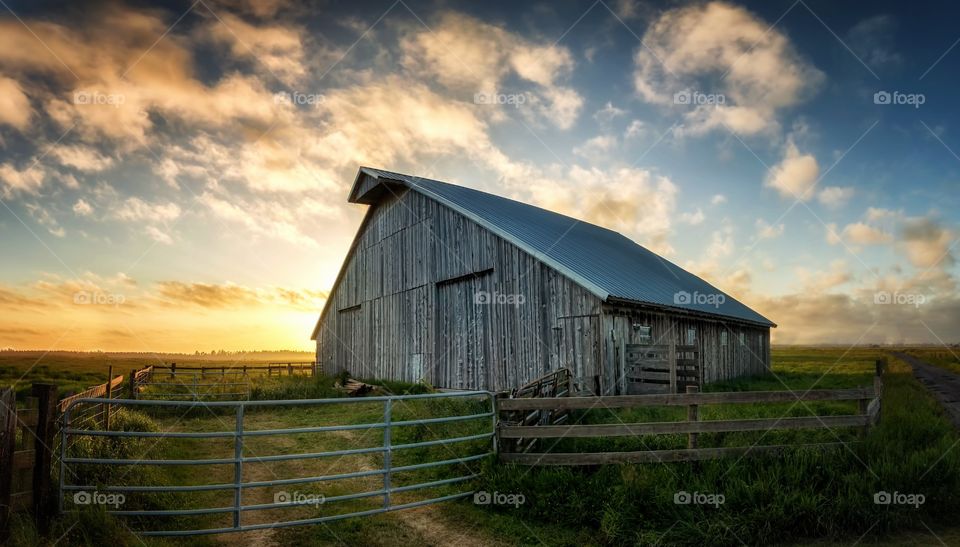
point(665, 428)
point(21, 501)
point(27, 417)
point(8, 433)
point(683, 399)
point(23, 459)
point(654, 456)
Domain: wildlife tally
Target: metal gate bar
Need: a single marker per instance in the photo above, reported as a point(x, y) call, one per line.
point(387, 448)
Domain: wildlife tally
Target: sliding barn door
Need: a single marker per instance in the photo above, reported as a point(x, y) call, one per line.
point(462, 327)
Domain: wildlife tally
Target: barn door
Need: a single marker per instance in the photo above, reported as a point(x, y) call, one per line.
point(350, 342)
point(462, 333)
point(579, 350)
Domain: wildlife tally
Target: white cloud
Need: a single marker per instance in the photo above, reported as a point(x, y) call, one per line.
point(693, 218)
point(835, 196)
point(469, 56)
point(608, 113)
point(635, 129)
point(927, 243)
point(768, 231)
point(596, 148)
point(718, 199)
point(278, 48)
point(136, 210)
point(689, 47)
point(860, 233)
point(15, 109)
point(796, 174)
point(27, 181)
point(82, 208)
point(80, 157)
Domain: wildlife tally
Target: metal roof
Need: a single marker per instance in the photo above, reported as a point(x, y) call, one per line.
point(605, 262)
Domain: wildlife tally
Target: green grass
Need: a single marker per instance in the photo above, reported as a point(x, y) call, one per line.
point(803, 496)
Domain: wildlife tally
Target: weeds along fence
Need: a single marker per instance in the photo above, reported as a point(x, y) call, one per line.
point(224, 466)
point(26, 446)
point(196, 383)
point(514, 437)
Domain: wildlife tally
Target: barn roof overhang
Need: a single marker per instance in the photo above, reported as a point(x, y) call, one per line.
point(625, 303)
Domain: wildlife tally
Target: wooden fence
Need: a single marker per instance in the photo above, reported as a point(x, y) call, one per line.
point(868, 414)
point(26, 449)
point(291, 368)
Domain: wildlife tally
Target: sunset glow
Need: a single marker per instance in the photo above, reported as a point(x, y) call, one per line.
point(175, 177)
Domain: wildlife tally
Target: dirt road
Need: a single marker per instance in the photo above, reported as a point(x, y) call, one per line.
point(944, 385)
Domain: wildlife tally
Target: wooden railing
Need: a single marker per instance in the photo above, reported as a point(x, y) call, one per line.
point(868, 415)
point(26, 448)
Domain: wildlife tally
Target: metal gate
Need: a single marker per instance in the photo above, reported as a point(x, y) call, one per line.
point(93, 475)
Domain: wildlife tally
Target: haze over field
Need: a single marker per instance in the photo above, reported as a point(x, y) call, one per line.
point(174, 177)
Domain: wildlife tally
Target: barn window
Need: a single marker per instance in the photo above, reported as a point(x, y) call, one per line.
point(723, 338)
point(644, 334)
point(741, 338)
point(691, 336)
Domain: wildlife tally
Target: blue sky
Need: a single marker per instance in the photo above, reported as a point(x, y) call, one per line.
point(186, 165)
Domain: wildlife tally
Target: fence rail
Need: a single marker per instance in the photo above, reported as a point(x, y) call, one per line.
point(868, 414)
point(238, 508)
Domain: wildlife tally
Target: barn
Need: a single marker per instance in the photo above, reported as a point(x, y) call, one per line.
point(468, 290)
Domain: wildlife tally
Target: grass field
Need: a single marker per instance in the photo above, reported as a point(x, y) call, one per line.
point(808, 496)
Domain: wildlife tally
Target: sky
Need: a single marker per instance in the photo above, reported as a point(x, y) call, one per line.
point(173, 176)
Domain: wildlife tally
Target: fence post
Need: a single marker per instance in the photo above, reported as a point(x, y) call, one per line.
point(132, 385)
point(105, 407)
point(238, 468)
point(881, 364)
point(8, 434)
point(693, 415)
point(387, 453)
point(46, 395)
point(313, 370)
point(289, 369)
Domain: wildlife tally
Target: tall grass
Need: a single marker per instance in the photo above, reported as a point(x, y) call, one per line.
point(805, 493)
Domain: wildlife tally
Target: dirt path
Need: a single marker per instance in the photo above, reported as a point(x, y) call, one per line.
point(944, 385)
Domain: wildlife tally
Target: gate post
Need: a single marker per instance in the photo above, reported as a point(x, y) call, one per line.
point(238, 467)
point(387, 453)
point(105, 407)
point(43, 453)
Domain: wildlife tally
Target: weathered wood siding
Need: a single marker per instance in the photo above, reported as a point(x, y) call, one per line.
point(719, 360)
point(409, 295)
